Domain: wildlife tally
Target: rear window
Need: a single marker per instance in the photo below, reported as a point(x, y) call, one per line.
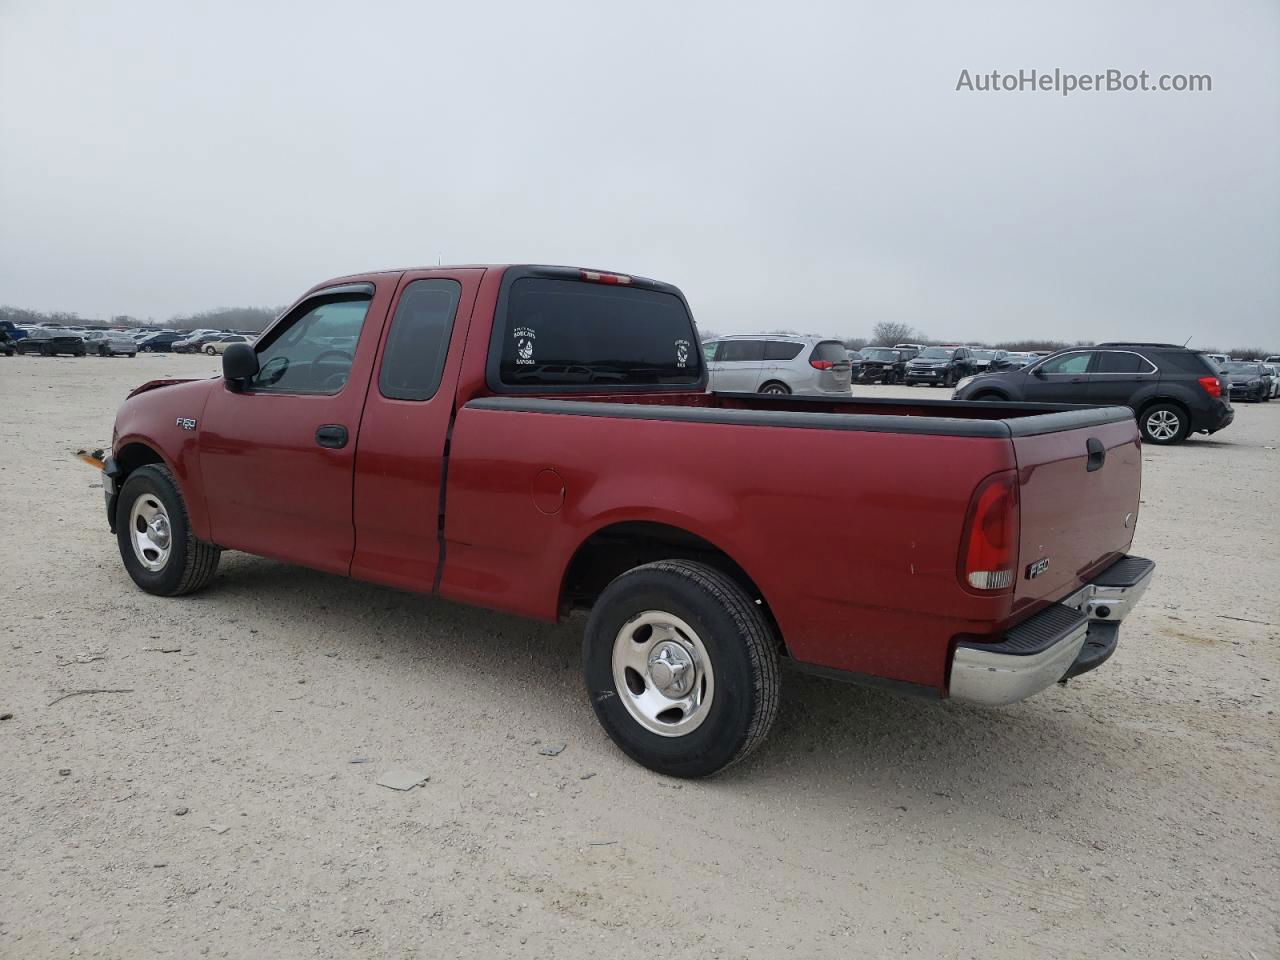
point(781, 350)
point(832, 351)
point(565, 332)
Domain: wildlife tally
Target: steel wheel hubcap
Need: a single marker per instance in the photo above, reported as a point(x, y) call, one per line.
point(1163, 424)
point(662, 673)
point(149, 532)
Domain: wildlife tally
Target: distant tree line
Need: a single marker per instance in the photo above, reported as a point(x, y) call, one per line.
point(223, 318)
point(884, 333)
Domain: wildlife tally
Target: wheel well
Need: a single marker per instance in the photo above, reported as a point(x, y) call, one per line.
point(769, 383)
point(612, 551)
point(132, 456)
point(990, 395)
point(1170, 401)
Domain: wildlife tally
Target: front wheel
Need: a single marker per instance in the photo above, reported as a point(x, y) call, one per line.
point(681, 667)
point(210, 351)
point(1163, 423)
point(155, 539)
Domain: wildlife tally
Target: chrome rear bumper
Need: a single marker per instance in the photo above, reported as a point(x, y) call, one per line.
point(1070, 637)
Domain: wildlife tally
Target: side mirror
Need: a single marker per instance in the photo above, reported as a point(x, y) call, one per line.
point(1039, 372)
point(239, 363)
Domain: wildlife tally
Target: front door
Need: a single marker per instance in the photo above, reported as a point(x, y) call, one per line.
point(277, 453)
point(1063, 378)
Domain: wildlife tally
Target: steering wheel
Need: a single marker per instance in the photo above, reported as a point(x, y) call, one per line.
point(337, 380)
point(273, 370)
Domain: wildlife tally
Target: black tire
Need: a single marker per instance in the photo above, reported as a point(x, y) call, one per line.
point(210, 351)
point(145, 349)
point(990, 395)
point(1164, 424)
point(741, 647)
point(776, 389)
point(104, 352)
point(191, 563)
point(131, 355)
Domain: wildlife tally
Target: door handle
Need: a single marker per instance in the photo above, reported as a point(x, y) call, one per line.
point(1097, 454)
point(332, 435)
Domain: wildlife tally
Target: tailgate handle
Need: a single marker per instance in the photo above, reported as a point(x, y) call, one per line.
point(1097, 454)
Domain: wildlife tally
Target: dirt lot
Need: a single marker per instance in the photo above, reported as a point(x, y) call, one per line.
point(1133, 811)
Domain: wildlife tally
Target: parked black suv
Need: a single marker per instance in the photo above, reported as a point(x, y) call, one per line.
point(941, 366)
point(1173, 391)
point(884, 364)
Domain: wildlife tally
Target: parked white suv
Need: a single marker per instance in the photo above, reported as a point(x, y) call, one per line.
point(778, 364)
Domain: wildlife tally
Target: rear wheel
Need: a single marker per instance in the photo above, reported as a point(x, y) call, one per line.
point(1164, 423)
point(155, 539)
point(210, 351)
point(681, 667)
point(774, 388)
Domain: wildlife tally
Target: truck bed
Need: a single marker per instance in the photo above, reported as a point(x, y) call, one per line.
point(847, 514)
point(889, 415)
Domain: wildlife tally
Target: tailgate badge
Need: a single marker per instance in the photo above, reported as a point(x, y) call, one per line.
point(1035, 569)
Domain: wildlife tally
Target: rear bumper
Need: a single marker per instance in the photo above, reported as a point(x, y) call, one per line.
point(1071, 637)
point(1218, 415)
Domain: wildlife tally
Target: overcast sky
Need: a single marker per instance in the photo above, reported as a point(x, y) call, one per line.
point(797, 165)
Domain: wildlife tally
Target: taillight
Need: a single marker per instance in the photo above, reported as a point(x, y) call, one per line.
point(989, 550)
point(596, 276)
point(821, 364)
point(1211, 386)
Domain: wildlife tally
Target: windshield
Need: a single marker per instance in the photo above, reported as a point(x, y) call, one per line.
point(880, 353)
point(936, 353)
point(1235, 366)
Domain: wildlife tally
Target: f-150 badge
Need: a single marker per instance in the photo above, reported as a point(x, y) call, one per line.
point(186, 423)
point(1035, 569)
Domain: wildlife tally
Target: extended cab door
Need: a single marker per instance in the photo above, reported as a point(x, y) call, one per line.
point(400, 455)
point(277, 454)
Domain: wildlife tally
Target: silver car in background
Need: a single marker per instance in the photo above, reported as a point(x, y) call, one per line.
point(778, 364)
point(110, 343)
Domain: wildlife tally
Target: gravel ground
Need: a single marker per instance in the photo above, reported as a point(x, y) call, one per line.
point(227, 805)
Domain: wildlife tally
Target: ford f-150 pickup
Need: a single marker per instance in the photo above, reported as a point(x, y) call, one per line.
point(541, 440)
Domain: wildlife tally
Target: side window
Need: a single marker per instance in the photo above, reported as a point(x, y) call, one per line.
point(314, 352)
point(1121, 361)
point(781, 350)
point(1067, 363)
point(741, 350)
point(709, 350)
point(413, 358)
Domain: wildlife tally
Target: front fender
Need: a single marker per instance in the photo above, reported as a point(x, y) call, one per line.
point(164, 419)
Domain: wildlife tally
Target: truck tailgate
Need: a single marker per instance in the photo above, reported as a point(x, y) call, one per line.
point(1078, 509)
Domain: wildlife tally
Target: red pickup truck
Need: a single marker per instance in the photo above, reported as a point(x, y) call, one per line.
point(541, 440)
